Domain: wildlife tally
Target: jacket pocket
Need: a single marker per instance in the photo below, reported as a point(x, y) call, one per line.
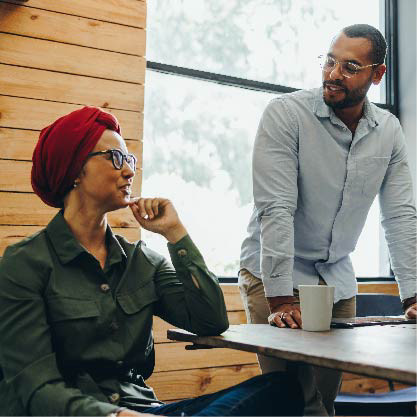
point(62, 308)
point(137, 300)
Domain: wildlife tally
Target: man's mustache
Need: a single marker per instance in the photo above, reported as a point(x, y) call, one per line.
point(335, 83)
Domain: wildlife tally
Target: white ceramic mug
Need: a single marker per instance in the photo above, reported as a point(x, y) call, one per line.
point(316, 306)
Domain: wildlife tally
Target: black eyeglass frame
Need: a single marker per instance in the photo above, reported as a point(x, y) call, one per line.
point(123, 157)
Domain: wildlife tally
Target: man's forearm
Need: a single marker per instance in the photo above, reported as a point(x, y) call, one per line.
point(275, 303)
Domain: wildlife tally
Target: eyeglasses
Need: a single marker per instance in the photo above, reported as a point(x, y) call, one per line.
point(118, 157)
point(348, 69)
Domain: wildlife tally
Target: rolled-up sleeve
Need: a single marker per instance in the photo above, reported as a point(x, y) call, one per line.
point(275, 173)
point(398, 217)
point(26, 350)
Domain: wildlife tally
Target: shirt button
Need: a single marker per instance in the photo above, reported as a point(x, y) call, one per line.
point(114, 397)
point(105, 287)
point(182, 253)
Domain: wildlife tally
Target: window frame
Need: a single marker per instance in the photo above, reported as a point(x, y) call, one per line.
point(390, 10)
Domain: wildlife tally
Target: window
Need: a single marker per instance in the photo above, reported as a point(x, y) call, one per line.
point(198, 135)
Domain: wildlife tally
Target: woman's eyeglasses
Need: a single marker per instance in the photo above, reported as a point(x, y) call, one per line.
point(118, 157)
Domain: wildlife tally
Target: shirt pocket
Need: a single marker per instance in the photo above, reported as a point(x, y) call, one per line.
point(73, 320)
point(61, 309)
point(139, 299)
point(372, 172)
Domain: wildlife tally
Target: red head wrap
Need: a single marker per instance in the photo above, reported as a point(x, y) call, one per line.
point(62, 149)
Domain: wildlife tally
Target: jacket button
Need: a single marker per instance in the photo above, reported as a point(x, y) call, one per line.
point(105, 287)
point(114, 397)
point(182, 252)
point(114, 325)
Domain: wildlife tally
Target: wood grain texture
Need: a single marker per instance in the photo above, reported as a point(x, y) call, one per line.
point(73, 89)
point(173, 356)
point(175, 385)
point(58, 27)
point(14, 211)
point(71, 59)
point(232, 297)
point(16, 177)
point(13, 234)
point(24, 113)
point(375, 351)
point(19, 144)
point(364, 385)
point(160, 327)
point(379, 287)
point(125, 12)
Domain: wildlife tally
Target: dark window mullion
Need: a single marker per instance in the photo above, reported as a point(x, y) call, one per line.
point(227, 80)
point(391, 35)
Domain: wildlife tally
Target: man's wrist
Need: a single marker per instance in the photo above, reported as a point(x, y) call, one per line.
point(408, 302)
point(275, 302)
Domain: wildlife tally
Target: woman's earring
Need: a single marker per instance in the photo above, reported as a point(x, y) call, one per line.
point(75, 184)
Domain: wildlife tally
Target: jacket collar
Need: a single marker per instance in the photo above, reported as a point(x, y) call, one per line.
point(67, 246)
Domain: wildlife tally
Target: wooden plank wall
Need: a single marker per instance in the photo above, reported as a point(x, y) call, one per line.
point(55, 57)
point(181, 373)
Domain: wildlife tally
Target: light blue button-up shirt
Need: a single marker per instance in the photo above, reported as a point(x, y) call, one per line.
point(313, 185)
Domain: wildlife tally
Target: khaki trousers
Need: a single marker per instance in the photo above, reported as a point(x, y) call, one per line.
point(320, 385)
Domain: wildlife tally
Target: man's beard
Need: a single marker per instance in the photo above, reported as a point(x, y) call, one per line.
point(352, 97)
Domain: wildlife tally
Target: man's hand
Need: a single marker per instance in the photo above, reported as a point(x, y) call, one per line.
point(158, 215)
point(411, 311)
point(285, 312)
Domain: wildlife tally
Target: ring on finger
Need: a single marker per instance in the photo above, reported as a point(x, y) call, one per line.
point(282, 315)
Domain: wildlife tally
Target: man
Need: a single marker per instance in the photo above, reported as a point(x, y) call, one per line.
point(320, 158)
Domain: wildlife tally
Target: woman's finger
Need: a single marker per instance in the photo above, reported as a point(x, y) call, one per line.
point(155, 206)
point(148, 208)
point(141, 207)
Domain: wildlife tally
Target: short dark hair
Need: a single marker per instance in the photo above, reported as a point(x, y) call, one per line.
point(379, 45)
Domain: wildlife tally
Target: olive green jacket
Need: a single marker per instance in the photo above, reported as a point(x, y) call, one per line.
point(70, 330)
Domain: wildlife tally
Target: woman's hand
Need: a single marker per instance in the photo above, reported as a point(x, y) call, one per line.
point(158, 215)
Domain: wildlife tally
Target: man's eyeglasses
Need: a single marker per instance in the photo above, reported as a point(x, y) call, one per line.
point(118, 157)
point(348, 69)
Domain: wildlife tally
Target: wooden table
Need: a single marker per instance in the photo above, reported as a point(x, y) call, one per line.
point(377, 351)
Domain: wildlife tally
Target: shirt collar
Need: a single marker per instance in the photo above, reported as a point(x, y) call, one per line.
point(321, 109)
point(67, 246)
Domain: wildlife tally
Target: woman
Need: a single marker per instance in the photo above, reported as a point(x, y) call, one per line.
point(76, 301)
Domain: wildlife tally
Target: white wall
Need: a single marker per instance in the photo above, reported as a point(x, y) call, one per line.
point(407, 16)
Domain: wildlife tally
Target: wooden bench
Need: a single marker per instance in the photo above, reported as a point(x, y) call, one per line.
point(181, 373)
